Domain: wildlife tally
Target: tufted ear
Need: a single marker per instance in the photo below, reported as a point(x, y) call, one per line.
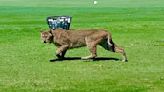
point(50, 33)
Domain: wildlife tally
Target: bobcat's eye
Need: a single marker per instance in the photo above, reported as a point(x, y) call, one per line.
point(44, 36)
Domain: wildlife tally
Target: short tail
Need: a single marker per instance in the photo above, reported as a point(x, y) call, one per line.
point(111, 44)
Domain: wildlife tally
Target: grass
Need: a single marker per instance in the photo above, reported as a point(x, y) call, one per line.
point(24, 60)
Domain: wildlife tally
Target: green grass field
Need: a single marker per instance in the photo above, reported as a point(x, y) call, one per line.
point(136, 25)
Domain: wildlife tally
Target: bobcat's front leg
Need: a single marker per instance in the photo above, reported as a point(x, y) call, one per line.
point(60, 52)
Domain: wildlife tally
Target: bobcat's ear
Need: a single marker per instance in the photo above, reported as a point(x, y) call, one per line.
point(50, 31)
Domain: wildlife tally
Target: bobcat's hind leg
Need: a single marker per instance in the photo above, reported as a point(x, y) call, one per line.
point(120, 50)
point(91, 44)
point(114, 48)
point(93, 55)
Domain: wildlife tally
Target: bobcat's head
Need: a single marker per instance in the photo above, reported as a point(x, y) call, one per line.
point(46, 36)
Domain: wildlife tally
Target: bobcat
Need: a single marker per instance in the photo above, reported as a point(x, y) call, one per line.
point(67, 39)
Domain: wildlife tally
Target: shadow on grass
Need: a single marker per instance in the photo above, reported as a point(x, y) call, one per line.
point(79, 58)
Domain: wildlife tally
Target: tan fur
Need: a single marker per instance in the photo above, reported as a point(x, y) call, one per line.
point(67, 39)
